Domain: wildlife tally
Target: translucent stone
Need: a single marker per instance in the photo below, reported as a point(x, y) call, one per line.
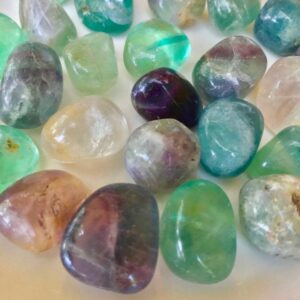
point(112, 241)
point(91, 63)
point(36, 209)
point(154, 44)
point(88, 130)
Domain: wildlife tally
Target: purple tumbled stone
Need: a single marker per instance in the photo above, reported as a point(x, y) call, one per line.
point(163, 94)
point(112, 241)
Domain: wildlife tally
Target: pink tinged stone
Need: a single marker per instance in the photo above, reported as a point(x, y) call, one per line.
point(36, 209)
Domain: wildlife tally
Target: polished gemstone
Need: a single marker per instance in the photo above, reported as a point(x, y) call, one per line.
point(154, 44)
point(19, 156)
point(88, 130)
point(270, 214)
point(233, 15)
point(111, 16)
point(89, 72)
point(280, 156)
point(32, 86)
point(163, 93)
point(278, 94)
point(179, 12)
point(112, 241)
point(230, 68)
point(11, 35)
point(198, 233)
point(35, 210)
point(162, 154)
point(46, 22)
point(230, 131)
point(277, 26)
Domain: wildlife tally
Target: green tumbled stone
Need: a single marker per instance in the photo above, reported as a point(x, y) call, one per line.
point(154, 44)
point(198, 233)
point(91, 63)
point(19, 156)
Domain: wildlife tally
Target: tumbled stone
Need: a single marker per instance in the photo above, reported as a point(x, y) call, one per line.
point(163, 93)
point(111, 16)
point(36, 209)
point(112, 241)
point(161, 154)
point(230, 131)
point(19, 156)
point(178, 12)
point(278, 94)
point(277, 26)
point(270, 214)
point(11, 36)
point(155, 44)
point(88, 130)
point(32, 86)
point(198, 233)
point(279, 156)
point(91, 63)
point(230, 68)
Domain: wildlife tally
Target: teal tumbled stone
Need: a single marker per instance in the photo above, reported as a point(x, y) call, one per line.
point(230, 131)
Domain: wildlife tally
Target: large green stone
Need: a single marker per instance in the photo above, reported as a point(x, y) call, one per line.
point(198, 233)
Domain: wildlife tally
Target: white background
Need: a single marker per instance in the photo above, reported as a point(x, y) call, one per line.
point(29, 276)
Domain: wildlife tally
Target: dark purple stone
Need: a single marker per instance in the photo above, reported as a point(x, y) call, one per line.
point(163, 94)
point(112, 241)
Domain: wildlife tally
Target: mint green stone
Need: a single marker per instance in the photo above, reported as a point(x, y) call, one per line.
point(11, 35)
point(280, 156)
point(198, 233)
point(154, 44)
point(19, 156)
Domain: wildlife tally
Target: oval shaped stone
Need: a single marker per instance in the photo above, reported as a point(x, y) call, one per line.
point(161, 154)
point(278, 94)
point(270, 214)
point(36, 209)
point(198, 233)
point(88, 130)
point(155, 44)
point(19, 156)
point(229, 131)
point(230, 68)
point(277, 26)
point(179, 12)
point(163, 93)
point(279, 156)
point(111, 16)
point(32, 86)
point(112, 241)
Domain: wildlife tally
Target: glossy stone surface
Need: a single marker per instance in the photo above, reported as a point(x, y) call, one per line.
point(233, 15)
point(278, 94)
point(154, 44)
point(36, 209)
point(46, 22)
point(279, 156)
point(163, 93)
point(112, 241)
point(198, 234)
point(229, 131)
point(270, 214)
point(111, 16)
point(11, 36)
point(162, 154)
point(179, 12)
point(230, 68)
point(19, 156)
point(32, 86)
point(277, 26)
point(91, 129)
point(91, 63)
